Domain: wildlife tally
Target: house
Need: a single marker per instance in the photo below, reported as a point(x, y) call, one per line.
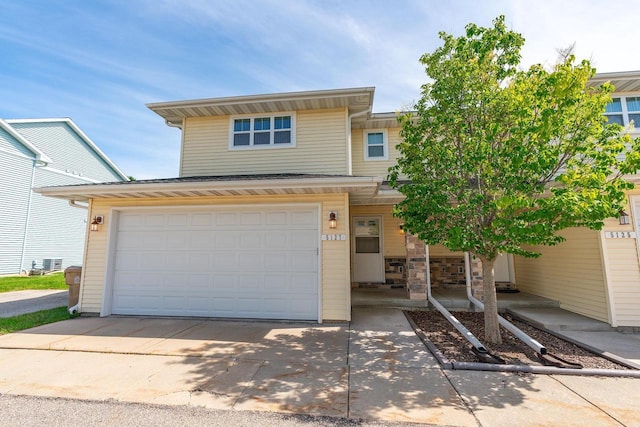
point(34, 228)
point(280, 208)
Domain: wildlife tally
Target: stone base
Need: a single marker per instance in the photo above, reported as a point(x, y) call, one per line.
point(413, 295)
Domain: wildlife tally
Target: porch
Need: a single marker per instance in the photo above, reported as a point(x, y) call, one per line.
point(450, 298)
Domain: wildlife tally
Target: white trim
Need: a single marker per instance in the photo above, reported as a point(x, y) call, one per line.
point(40, 156)
point(272, 130)
point(625, 111)
point(107, 292)
point(82, 136)
point(385, 145)
point(71, 175)
point(606, 275)
point(634, 203)
point(19, 155)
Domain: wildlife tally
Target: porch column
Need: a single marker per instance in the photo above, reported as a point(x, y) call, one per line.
point(416, 267)
point(476, 277)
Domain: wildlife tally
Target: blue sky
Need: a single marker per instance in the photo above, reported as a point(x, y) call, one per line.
point(100, 62)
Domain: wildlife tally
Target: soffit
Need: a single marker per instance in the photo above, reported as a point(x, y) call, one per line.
point(355, 100)
point(627, 81)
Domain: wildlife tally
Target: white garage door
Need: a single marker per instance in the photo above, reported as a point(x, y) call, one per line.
point(233, 262)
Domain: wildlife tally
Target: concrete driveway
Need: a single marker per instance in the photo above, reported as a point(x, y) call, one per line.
point(374, 368)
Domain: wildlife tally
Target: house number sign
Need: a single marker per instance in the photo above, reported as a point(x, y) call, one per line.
point(334, 237)
point(620, 234)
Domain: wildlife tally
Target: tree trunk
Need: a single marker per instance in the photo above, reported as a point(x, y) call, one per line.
point(491, 325)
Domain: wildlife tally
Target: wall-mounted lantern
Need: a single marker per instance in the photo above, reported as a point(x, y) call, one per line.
point(98, 220)
point(401, 228)
point(333, 219)
point(624, 218)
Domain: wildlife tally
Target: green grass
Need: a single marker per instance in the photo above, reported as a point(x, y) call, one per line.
point(21, 283)
point(31, 320)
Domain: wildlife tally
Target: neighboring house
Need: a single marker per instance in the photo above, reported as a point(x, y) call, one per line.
point(280, 208)
point(37, 153)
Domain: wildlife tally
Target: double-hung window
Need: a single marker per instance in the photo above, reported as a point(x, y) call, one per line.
point(264, 131)
point(376, 145)
point(624, 110)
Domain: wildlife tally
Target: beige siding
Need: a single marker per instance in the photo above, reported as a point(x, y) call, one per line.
point(392, 238)
point(373, 167)
point(571, 273)
point(335, 273)
point(442, 251)
point(623, 267)
point(321, 147)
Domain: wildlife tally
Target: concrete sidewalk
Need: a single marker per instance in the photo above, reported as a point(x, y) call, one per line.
point(29, 301)
point(375, 368)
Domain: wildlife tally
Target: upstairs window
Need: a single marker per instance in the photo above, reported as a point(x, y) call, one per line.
point(624, 110)
point(262, 131)
point(375, 145)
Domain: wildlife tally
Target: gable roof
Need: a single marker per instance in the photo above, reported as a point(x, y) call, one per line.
point(355, 99)
point(75, 129)
point(39, 155)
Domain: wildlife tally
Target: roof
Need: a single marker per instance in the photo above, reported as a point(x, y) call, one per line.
point(357, 100)
point(364, 187)
point(624, 81)
point(82, 136)
point(39, 155)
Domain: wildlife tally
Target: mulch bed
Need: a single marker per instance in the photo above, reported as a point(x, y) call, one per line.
point(455, 348)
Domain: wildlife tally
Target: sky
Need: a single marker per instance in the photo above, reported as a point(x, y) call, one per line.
point(99, 61)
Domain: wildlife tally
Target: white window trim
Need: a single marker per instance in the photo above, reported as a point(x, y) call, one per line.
point(625, 112)
point(270, 146)
point(385, 145)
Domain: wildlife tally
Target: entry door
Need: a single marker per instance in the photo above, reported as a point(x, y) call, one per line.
point(502, 269)
point(368, 256)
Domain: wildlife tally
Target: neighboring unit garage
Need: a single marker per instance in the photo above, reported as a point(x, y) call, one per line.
point(226, 261)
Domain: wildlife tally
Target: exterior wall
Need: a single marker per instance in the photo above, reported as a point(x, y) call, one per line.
point(335, 266)
point(8, 144)
point(373, 167)
point(571, 273)
point(15, 187)
point(67, 150)
point(320, 147)
point(56, 230)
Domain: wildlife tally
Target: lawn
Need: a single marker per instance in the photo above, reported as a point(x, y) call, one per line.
point(21, 283)
point(31, 320)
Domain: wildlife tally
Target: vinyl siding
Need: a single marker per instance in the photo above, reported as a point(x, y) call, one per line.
point(10, 145)
point(320, 147)
point(15, 185)
point(373, 167)
point(335, 273)
point(442, 251)
point(56, 230)
point(571, 273)
point(66, 149)
point(392, 238)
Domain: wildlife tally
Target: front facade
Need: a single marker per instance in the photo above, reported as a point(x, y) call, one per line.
point(34, 228)
point(280, 209)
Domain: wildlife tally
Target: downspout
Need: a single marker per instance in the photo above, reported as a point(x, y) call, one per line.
point(349, 149)
point(477, 345)
point(535, 345)
point(28, 218)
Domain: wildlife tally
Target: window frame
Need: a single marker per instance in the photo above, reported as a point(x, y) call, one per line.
point(625, 112)
point(385, 145)
point(252, 131)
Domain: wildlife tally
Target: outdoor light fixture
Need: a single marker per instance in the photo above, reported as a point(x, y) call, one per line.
point(333, 219)
point(97, 220)
point(401, 227)
point(624, 218)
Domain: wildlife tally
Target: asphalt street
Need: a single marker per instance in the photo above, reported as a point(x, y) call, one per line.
point(22, 302)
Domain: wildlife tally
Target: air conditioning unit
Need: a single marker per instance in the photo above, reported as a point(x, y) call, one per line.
point(52, 264)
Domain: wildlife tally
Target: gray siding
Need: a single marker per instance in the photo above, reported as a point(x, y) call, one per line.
point(15, 181)
point(10, 145)
point(66, 149)
point(56, 230)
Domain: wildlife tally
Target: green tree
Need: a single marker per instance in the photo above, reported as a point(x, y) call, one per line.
point(495, 158)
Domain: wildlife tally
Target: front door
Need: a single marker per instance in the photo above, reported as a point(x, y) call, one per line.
point(503, 268)
point(368, 256)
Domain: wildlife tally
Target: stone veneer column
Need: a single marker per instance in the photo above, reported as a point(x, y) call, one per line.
point(416, 267)
point(476, 278)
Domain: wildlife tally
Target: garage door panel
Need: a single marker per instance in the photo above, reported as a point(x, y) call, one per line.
point(260, 263)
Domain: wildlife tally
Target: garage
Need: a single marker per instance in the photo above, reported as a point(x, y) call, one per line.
point(233, 261)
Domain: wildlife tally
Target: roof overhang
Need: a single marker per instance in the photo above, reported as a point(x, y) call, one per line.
point(359, 187)
point(354, 99)
point(625, 81)
point(38, 155)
